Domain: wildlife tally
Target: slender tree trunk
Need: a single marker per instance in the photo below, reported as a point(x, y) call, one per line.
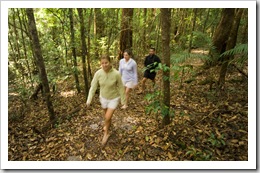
point(73, 48)
point(244, 34)
point(84, 50)
point(230, 45)
point(88, 52)
point(25, 50)
point(126, 39)
point(17, 46)
point(193, 28)
point(98, 29)
point(166, 27)
point(40, 63)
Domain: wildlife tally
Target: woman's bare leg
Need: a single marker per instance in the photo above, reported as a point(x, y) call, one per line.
point(108, 117)
point(127, 95)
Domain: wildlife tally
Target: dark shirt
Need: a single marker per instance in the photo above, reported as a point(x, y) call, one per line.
point(150, 60)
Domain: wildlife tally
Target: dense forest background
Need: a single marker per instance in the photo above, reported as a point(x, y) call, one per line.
point(198, 110)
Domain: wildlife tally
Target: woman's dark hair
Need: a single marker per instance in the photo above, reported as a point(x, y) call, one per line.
point(129, 52)
point(106, 57)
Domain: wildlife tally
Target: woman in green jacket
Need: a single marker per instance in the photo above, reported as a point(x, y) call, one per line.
point(111, 90)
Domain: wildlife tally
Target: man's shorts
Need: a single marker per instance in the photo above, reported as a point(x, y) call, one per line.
point(106, 103)
point(149, 75)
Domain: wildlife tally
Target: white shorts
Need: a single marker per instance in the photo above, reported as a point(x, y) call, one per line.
point(129, 84)
point(106, 103)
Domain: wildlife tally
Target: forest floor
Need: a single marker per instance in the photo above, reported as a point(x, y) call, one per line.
point(209, 124)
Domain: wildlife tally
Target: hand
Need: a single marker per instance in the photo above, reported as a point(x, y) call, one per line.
point(88, 104)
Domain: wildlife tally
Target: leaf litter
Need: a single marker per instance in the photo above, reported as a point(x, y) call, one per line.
point(207, 125)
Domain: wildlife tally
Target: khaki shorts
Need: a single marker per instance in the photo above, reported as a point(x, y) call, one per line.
point(106, 103)
point(129, 84)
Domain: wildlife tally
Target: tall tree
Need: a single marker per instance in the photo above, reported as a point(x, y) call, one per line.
point(40, 62)
point(166, 27)
point(25, 49)
point(89, 43)
point(126, 36)
point(73, 49)
point(231, 43)
point(221, 35)
point(83, 50)
point(98, 29)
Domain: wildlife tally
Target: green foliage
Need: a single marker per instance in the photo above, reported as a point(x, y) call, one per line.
point(200, 40)
point(241, 50)
point(198, 155)
point(156, 105)
point(154, 99)
point(217, 141)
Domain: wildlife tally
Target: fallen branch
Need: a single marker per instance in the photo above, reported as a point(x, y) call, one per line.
point(240, 71)
point(204, 117)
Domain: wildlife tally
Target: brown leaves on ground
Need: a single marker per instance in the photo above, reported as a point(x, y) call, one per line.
point(208, 125)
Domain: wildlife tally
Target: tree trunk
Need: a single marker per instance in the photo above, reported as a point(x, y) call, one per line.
point(230, 45)
point(84, 50)
point(25, 50)
point(73, 49)
point(244, 34)
point(88, 52)
point(17, 46)
point(166, 26)
point(193, 28)
point(126, 39)
point(98, 29)
point(221, 34)
point(40, 63)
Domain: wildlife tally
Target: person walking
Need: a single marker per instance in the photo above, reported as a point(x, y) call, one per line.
point(150, 66)
point(111, 91)
point(128, 71)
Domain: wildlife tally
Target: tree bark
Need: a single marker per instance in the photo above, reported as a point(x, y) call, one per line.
point(98, 29)
point(126, 39)
point(221, 34)
point(73, 49)
point(166, 25)
point(25, 50)
point(88, 52)
point(40, 63)
point(232, 39)
point(84, 51)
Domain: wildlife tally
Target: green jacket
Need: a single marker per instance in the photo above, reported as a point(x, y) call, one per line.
point(111, 85)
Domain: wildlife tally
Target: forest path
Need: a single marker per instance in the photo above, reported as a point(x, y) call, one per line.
point(207, 125)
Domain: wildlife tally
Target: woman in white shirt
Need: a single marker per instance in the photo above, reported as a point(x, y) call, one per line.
point(128, 71)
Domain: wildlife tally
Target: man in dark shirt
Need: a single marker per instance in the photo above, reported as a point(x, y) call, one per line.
point(150, 65)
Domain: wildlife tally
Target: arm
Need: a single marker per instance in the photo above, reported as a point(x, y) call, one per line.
point(120, 67)
point(135, 74)
point(93, 88)
point(121, 89)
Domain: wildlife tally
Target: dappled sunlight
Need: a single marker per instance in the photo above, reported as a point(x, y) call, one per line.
point(66, 94)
